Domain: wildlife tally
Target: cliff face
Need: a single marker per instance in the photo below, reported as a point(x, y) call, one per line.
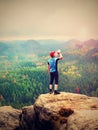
point(9, 118)
point(66, 111)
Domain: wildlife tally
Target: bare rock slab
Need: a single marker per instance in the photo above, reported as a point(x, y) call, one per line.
point(66, 111)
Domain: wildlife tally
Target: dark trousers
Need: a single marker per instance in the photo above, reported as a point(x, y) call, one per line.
point(54, 77)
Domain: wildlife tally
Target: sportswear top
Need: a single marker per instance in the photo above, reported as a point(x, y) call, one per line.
point(53, 64)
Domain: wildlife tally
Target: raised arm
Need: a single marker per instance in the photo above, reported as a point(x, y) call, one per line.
point(61, 57)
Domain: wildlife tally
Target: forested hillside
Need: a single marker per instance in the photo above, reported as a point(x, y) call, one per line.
point(24, 75)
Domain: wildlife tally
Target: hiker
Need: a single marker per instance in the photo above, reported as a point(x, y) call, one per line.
point(53, 70)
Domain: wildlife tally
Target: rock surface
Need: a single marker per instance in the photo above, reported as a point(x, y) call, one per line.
point(65, 111)
point(9, 118)
point(27, 118)
point(83, 120)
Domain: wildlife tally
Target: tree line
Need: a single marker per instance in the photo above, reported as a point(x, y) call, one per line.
point(21, 86)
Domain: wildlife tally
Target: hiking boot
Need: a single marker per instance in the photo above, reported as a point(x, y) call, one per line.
point(56, 92)
point(50, 91)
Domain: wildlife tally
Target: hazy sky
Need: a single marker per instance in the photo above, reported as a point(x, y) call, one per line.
point(61, 19)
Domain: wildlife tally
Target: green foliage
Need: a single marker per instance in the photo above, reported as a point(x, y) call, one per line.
point(22, 86)
point(24, 75)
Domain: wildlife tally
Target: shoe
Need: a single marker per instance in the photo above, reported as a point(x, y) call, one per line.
point(50, 91)
point(56, 92)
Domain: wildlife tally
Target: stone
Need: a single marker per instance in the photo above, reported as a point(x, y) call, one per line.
point(27, 118)
point(66, 111)
point(9, 118)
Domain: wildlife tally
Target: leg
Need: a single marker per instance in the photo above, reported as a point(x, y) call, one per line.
point(56, 87)
point(56, 81)
point(51, 82)
point(56, 84)
point(50, 86)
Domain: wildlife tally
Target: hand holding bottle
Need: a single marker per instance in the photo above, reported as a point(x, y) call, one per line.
point(58, 51)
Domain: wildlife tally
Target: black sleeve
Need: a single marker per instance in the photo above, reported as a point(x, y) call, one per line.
point(57, 59)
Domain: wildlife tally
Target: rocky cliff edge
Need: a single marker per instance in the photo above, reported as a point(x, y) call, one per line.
point(65, 111)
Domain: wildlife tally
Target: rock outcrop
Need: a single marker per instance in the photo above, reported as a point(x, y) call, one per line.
point(27, 118)
point(65, 111)
point(9, 118)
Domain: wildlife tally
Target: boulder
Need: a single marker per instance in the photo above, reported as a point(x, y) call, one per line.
point(66, 111)
point(9, 118)
point(83, 120)
point(27, 118)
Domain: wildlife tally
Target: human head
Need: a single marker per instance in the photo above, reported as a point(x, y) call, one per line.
point(52, 53)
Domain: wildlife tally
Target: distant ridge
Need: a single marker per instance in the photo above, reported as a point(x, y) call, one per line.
point(17, 47)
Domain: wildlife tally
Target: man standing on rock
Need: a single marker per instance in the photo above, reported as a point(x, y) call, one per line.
point(53, 70)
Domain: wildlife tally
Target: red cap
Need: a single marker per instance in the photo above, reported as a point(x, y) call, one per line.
point(52, 53)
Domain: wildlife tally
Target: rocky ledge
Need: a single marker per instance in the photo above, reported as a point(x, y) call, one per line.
point(65, 111)
point(9, 118)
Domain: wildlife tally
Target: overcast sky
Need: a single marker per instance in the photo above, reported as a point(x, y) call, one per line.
point(61, 19)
